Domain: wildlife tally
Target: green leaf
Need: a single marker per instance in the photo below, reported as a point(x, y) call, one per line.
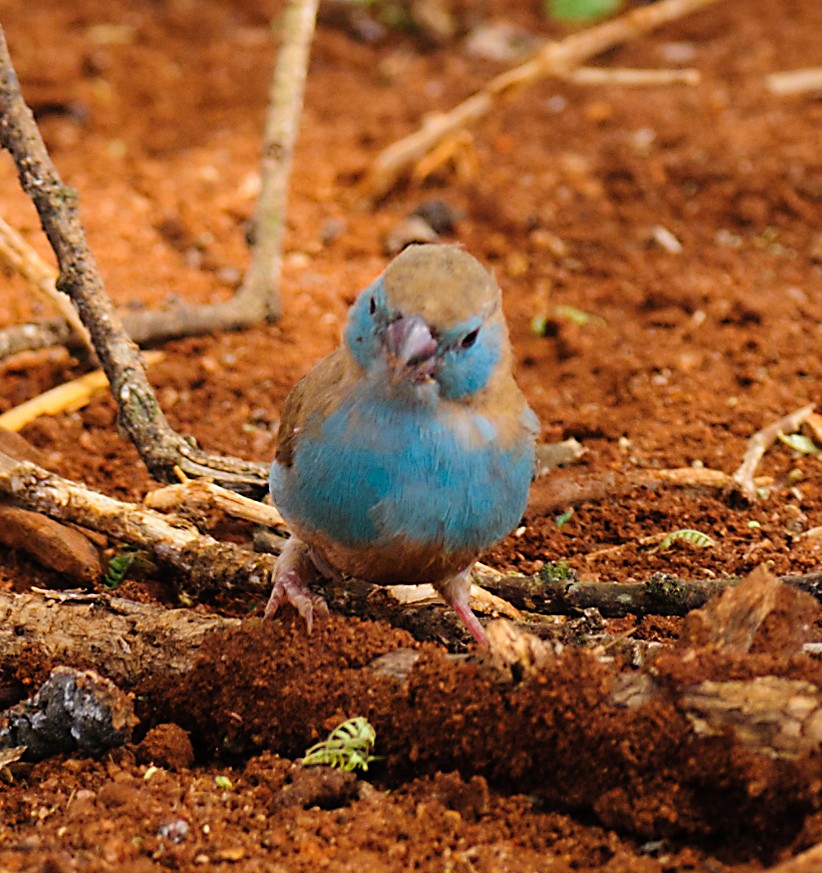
point(581, 10)
point(694, 537)
point(577, 316)
point(563, 519)
point(799, 443)
point(118, 567)
point(348, 746)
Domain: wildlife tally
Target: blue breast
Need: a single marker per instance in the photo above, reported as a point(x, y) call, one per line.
point(377, 469)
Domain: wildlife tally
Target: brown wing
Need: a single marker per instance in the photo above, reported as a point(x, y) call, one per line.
point(319, 391)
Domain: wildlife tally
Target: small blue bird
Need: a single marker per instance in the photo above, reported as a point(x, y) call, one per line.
point(410, 449)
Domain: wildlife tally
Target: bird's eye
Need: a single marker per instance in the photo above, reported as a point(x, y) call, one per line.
point(372, 306)
point(469, 339)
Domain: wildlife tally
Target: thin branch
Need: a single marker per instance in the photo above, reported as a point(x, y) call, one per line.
point(41, 335)
point(760, 442)
point(633, 77)
point(260, 292)
point(16, 253)
point(159, 445)
point(661, 594)
point(203, 496)
point(795, 81)
point(555, 59)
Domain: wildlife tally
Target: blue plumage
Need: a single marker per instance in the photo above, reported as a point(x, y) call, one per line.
point(410, 450)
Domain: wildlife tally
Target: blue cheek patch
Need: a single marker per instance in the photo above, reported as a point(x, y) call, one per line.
point(360, 332)
point(463, 372)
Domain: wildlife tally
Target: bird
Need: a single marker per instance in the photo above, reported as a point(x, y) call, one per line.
point(410, 449)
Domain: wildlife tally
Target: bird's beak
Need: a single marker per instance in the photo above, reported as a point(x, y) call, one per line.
point(410, 348)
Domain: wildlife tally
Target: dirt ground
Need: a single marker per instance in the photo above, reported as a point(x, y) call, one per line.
point(685, 219)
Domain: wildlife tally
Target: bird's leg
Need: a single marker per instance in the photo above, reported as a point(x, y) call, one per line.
point(456, 592)
point(292, 572)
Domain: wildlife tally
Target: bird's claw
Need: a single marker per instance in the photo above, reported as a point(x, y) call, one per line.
point(289, 588)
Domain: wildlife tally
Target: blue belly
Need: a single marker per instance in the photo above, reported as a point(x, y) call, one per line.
point(372, 473)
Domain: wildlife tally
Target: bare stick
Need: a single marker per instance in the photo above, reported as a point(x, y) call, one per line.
point(67, 397)
point(159, 445)
point(760, 442)
point(260, 292)
point(31, 337)
point(661, 594)
point(556, 58)
point(795, 81)
point(202, 496)
point(16, 253)
point(204, 563)
point(628, 76)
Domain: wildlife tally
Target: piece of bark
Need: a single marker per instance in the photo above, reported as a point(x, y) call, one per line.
point(781, 718)
point(59, 547)
point(738, 618)
point(15, 446)
point(72, 710)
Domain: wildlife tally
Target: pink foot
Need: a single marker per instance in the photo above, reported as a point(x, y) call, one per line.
point(293, 570)
point(456, 593)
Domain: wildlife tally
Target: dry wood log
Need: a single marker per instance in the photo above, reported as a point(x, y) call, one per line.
point(124, 640)
point(771, 715)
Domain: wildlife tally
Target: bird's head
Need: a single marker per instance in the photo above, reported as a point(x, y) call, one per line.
point(432, 322)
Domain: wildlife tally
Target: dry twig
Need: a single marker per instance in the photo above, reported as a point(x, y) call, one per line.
point(795, 81)
point(631, 77)
point(260, 291)
point(201, 495)
point(17, 254)
point(556, 58)
point(760, 442)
